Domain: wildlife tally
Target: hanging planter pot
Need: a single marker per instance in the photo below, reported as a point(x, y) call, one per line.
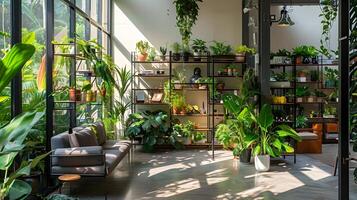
point(262, 163)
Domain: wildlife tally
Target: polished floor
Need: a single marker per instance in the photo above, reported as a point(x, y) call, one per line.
point(192, 174)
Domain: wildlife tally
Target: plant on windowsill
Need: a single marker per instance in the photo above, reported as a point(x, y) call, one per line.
point(142, 47)
point(268, 140)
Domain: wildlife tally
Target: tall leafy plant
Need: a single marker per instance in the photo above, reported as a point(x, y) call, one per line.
point(328, 16)
point(186, 17)
point(13, 135)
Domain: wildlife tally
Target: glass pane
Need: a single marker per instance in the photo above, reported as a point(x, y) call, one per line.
point(94, 10)
point(5, 109)
point(61, 19)
point(81, 4)
point(105, 8)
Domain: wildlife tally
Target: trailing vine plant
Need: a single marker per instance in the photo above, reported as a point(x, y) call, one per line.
point(186, 17)
point(328, 15)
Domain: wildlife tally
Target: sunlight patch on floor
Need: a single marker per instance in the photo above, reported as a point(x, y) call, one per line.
point(314, 172)
point(178, 187)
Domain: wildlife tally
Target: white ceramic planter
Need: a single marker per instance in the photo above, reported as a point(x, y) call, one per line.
point(280, 84)
point(262, 163)
point(301, 79)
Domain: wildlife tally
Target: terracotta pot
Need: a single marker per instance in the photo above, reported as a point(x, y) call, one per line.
point(72, 94)
point(317, 127)
point(240, 57)
point(77, 95)
point(142, 57)
point(174, 110)
point(298, 60)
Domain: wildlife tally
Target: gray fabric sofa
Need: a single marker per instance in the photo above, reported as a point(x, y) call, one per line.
point(86, 152)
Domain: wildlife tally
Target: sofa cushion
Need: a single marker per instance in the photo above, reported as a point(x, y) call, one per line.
point(308, 136)
point(85, 137)
point(99, 131)
point(73, 140)
point(60, 141)
point(80, 156)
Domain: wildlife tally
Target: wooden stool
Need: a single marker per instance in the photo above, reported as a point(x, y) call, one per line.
point(68, 178)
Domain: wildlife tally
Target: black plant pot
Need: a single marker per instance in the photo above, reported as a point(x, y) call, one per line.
point(186, 56)
point(306, 60)
point(35, 180)
point(176, 56)
point(314, 60)
point(245, 156)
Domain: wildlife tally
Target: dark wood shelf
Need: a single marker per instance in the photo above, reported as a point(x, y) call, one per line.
point(152, 76)
point(156, 104)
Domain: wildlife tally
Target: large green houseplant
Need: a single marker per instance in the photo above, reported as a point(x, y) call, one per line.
point(186, 17)
point(13, 134)
point(268, 140)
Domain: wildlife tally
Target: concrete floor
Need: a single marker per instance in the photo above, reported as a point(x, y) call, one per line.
point(191, 174)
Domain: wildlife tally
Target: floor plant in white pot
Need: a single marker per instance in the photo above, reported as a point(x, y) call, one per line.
point(269, 140)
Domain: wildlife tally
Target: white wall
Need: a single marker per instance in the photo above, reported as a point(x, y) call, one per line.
point(307, 29)
point(154, 20)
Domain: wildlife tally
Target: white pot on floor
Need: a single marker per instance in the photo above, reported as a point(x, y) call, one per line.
point(262, 163)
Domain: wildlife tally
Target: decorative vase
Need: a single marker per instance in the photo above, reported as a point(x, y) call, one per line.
point(262, 163)
point(142, 57)
point(245, 156)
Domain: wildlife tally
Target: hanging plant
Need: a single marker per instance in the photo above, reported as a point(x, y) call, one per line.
point(186, 17)
point(328, 15)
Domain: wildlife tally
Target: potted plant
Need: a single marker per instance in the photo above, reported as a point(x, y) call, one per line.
point(313, 53)
point(301, 76)
point(321, 96)
point(301, 122)
point(301, 93)
point(220, 49)
point(151, 54)
point(178, 79)
point(290, 97)
point(299, 52)
point(87, 86)
point(74, 94)
point(283, 56)
point(268, 140)
point(241, 52)
point(163, 51)
point(186, 16)
point(178, 104)
point(192, 109)
point(186, 53)
point(331, 77)
point(330, 111)
point(142, 47)
point(176, 48)
point(279, 80)
point(311, 98)
point(198, 137)
point(199, 48)
point(181, 131)
point(203, 82)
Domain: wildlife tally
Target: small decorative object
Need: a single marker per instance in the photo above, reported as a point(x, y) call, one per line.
point(140, 96)
point(160, 72)
point(311, 99)
point(196, 75)
point(147, 72)
point(157, 97)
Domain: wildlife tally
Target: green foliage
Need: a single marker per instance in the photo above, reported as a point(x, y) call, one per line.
point(244, 49)
point(301, 121)
point(142, 47)
point(220, 48)
point(328, 16)
point(176, 47)
point(199, 45)
point(153, 127)
point(163, 51)
point(282, 52)
point(152, 54)
point(186, 17)
point(282, 76)
point(331, 74)
point(319, 93)
point(60, 197)
point(267, 139)
point(250, 85)
point(306, 51)
point(302, 91)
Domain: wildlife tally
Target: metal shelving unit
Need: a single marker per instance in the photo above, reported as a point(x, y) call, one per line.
point(210, 63)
